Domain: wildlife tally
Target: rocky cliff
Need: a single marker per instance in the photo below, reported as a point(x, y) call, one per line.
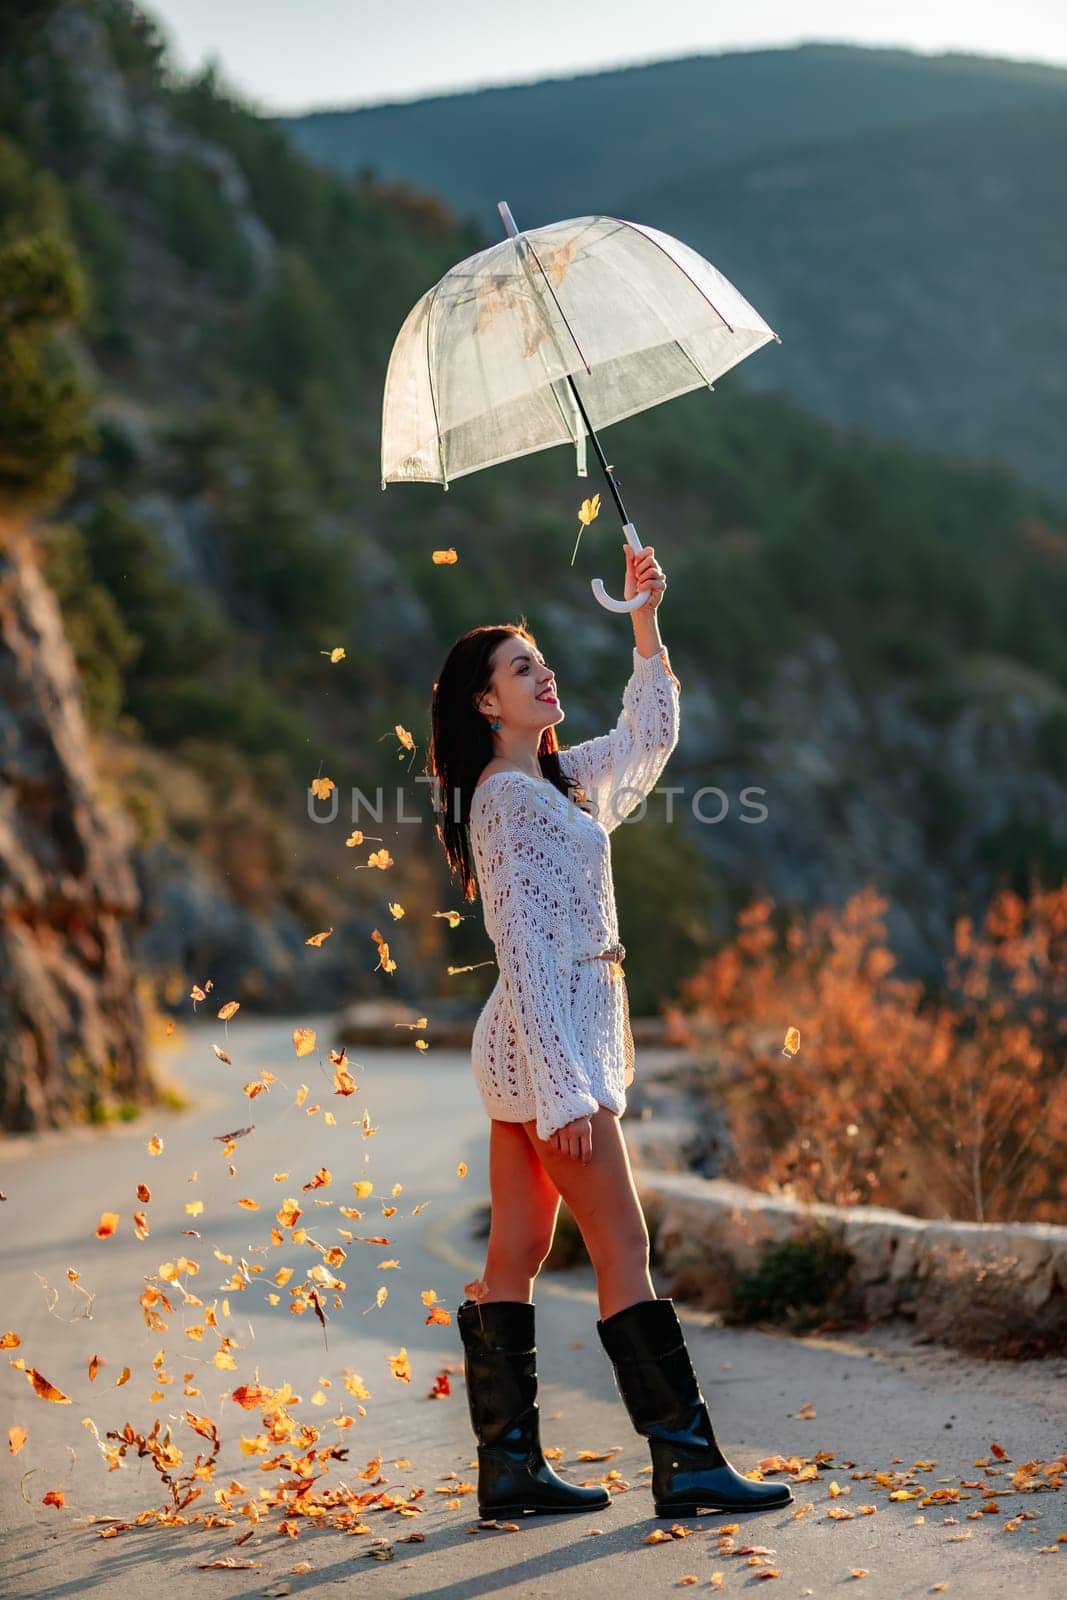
point(71, 1022)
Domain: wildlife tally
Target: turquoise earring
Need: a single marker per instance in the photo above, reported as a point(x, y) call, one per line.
point(495, 725)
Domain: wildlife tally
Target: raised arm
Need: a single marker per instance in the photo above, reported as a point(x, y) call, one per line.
point(618, 769)
point(523, 878)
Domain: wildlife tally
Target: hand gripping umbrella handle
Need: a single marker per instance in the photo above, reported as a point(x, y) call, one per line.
point(602, 594)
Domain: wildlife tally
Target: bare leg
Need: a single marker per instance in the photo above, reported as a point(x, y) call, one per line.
point(603, 1198)
point(525, 1205)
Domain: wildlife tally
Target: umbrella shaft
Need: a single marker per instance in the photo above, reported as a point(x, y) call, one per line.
point(601, 457)
point(512, 230)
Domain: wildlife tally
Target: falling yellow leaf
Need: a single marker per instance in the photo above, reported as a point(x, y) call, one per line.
point(227, 1011)
point(16, 1438)
point(445, 558)
point(337, 653)
point(304, 1040)
point(401, 1366)
point(319, 939)
point(155, 1146)
point(792, 1042)
point(9, 1341)
point(321, 787)
point(194, 1208)
point(343, 1081)
point(589, 510)
point(109, 1221)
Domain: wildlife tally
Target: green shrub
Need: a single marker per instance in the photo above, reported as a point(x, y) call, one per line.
point(803, 1283)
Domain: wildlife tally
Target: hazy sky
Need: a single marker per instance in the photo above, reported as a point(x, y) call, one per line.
point(292, 55)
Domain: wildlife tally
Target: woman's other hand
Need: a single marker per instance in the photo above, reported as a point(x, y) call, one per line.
point(643, 571)
point(576, 1139)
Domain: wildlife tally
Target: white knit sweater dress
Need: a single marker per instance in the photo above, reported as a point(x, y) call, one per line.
point(549, 1042)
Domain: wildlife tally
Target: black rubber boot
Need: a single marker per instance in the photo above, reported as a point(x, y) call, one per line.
point(655, 1377)
point(500, 1363)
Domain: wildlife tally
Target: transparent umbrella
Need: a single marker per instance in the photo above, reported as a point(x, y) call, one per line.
point(549, 335)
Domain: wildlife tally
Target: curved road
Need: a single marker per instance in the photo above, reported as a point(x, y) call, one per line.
point(870, 1412)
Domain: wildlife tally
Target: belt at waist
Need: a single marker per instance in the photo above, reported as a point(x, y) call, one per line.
point(616, 954)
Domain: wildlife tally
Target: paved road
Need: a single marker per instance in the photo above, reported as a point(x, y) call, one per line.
point(870, 1413)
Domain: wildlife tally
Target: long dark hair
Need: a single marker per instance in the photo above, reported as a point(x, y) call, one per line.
point(461, 743)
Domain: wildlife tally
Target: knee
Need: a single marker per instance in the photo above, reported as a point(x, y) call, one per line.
point(639, 1245)
point(526, 1256)
point(621, 1245)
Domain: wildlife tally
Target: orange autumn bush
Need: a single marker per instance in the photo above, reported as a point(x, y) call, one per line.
point(951, 1106)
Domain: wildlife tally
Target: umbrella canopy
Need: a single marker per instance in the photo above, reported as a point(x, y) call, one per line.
point(478, 373)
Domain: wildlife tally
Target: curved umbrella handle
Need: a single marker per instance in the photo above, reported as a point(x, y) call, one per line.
point(602, 594)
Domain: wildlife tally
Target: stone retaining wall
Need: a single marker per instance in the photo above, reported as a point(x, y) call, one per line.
point(992, 1287)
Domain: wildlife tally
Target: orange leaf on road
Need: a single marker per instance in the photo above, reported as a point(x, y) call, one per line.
point(41, 1385)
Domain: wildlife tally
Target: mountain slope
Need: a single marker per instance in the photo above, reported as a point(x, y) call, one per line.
point(576, 145)
point(910, 276)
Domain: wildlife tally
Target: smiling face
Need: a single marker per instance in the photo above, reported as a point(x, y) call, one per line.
point(522, 693)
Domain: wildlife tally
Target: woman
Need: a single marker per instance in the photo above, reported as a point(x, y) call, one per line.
point(552, 1053)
